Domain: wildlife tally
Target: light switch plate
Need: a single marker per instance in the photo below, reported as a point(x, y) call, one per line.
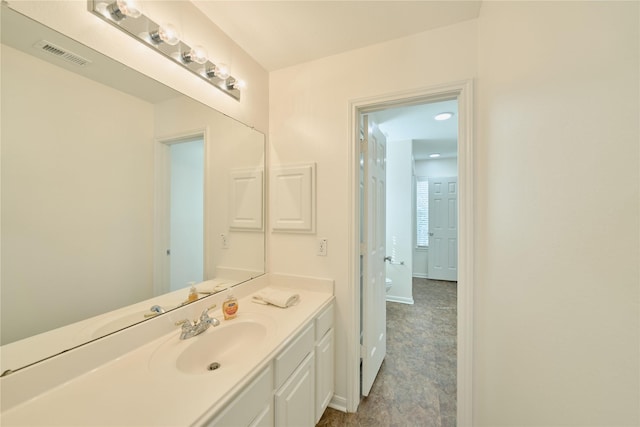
point(322, 247)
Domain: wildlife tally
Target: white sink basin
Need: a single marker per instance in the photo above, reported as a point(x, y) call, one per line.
point(232, 344)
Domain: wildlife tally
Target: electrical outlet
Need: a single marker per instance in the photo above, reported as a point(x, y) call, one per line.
point(224, 241)
point(322, 247)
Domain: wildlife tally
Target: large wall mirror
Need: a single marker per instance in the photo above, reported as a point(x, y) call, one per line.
point(117, 191)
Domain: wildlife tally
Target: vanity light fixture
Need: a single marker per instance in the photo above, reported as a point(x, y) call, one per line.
point(165, 39)
point(443, 116)
point(434, 155)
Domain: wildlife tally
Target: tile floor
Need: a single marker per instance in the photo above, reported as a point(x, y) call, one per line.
point(416, 385)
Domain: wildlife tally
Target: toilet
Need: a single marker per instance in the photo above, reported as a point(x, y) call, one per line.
point(388, 283)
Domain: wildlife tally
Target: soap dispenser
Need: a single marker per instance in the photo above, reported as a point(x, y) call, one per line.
point(230, 306)
point(193, 292)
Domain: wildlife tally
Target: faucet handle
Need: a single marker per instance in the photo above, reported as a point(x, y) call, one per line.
point(205, 312)
point(204, 317)
point(184, 322)
point(154, 311)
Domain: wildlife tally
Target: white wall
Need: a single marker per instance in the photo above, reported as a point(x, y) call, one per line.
point(432, 168)
point(309, 122)
point(399, 220)
point(557, 271)
point(436, 167)
point(557, 202)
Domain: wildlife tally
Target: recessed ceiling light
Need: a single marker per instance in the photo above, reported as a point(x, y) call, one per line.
point(434, 155)
point(443, 116)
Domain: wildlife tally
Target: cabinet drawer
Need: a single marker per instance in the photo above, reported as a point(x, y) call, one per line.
point(324, 322)
point(289, 359)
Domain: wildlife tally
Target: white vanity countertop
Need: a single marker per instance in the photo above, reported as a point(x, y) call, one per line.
point(128, 391)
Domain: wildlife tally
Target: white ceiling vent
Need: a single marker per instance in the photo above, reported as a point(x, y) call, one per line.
point(61, 53)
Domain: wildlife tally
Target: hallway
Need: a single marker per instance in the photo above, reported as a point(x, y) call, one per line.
point(416, 385)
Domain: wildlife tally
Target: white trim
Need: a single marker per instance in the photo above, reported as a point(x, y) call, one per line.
point(463, 91)
point(339, 403)
point(466, 254)
point(401, 300)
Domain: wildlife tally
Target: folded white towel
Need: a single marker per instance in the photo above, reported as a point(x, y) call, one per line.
point(275, 297)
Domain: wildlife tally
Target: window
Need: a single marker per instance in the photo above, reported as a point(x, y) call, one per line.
point(422, 212)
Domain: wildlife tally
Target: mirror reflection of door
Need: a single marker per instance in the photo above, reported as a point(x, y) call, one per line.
point(186, 250)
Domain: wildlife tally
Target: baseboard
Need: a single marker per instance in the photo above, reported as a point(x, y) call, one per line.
point(420, 275)
point(338, 403)
point(402, 300)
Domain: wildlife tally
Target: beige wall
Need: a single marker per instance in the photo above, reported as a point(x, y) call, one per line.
point(556, 281)
point(59, 232)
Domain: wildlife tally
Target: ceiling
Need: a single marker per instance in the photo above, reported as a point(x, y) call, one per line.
point(280, 34)
point(417, 123)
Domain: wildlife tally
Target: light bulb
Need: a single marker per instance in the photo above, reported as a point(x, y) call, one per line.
point(443, 116)
point(166, 33)
point(233, 83)
point(120, 9)
point(197, 54)
point(222, 71)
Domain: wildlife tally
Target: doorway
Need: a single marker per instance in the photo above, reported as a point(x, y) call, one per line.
point(421, 224)
point(180, 212)
point(462, 92)
point(186, 224)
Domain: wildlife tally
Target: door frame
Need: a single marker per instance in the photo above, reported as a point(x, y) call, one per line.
point(463, 92)
point(162, 207)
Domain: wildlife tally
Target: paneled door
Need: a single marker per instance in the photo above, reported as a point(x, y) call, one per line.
point(443, 229)
point(373, 250)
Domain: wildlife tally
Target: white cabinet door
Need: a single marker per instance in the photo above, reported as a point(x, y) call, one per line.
point(264, 419)
point(324, 373)
point(295, 400)
point(252, 407)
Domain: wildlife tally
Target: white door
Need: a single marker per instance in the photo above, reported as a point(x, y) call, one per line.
point(443, 229)
point(374, 316)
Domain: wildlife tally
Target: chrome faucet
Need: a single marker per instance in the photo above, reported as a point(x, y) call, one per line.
point(191, 329)
point(155, 310)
